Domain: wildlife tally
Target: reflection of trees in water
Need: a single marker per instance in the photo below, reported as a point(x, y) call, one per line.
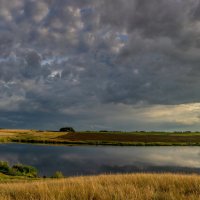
point(85, 160)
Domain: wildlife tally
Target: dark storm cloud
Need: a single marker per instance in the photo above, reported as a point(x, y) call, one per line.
point(162, 49)
point(153, 18)
point(68, 56)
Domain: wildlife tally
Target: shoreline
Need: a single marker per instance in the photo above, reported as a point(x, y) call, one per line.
point(69, 143)
point(99, 138)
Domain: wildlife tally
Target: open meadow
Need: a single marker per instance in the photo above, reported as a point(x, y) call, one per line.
point(106, 187)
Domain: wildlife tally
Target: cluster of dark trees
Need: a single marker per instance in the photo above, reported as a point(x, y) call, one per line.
point(67, 129)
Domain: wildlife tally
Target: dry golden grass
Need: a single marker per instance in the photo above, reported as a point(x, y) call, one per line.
point(107, 187)
point(14, 130)
point(27, 135)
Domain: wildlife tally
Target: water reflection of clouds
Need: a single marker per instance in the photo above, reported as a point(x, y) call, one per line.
point(178, 156)
point(79, 160)
point(184, 161)
point(10, 158)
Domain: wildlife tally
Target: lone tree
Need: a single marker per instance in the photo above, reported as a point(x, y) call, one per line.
point(67, 129)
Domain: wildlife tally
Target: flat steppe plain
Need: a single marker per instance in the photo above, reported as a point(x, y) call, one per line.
point(101, 138)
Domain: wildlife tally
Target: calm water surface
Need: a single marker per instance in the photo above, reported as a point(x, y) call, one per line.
point(87, 160)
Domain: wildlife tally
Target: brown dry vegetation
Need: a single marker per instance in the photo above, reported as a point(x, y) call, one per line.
point(127, 137)
point(107, 187)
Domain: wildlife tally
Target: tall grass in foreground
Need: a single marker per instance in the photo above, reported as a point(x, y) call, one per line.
point(107, 187)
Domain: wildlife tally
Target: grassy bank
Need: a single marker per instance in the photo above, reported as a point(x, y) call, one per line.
point(104, 187)
point(101, 138)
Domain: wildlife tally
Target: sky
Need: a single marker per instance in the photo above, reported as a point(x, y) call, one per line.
point(100, 64)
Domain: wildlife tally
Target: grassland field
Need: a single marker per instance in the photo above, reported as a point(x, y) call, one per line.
point(101, 138)
point(105, 187)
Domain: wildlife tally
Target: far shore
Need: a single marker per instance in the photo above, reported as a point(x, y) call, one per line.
point(101, 138)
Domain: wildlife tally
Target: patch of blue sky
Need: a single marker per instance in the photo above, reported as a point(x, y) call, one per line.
point(86, 11)
point(10, 58)
point(52, 60)
point(3, 60)
point(122, 37)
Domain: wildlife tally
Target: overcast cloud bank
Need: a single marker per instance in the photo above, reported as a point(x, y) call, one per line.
point(114, 64)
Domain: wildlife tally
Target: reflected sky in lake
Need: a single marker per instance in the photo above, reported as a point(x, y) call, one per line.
point(86, 160)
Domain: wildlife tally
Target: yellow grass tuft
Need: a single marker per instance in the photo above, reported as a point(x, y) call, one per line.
point(107, 187)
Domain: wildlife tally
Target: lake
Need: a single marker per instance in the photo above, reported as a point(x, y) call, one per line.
point(89, 160)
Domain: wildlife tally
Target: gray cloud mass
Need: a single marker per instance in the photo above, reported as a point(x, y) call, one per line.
point(82, 62)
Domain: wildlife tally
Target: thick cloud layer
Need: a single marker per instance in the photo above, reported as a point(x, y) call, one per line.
point(81, 62)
